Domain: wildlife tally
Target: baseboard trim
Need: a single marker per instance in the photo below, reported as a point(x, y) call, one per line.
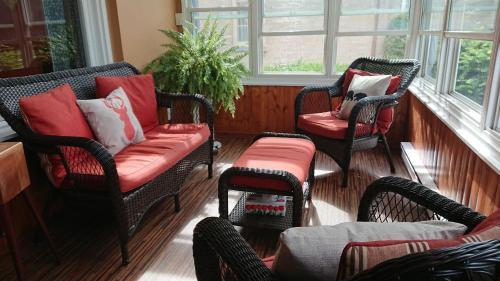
point(416, 168)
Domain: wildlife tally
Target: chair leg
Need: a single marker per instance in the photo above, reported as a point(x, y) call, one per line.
point(388, 153)
point(6, 221)
point(210, 170)
point(41, 223)
point(345, 168)
point(177, 203)
point(124, 250)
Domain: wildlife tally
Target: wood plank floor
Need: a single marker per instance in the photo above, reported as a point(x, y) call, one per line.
point(161, 249)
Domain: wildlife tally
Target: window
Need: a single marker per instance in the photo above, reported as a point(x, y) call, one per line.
point(39, 36)
point(293, 36)
point(308, 37)
point(371, 28)
point(458, 47)
point(230, 13)
point(310, 41)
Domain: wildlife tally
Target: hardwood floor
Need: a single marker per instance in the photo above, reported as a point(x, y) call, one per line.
point(161, 249)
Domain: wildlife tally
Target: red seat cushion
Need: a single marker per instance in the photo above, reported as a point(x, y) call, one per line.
point(326, 124)
point(140, 91)
point(55, 113)
point(386, 115)
point(293, 155)
point(164, 146)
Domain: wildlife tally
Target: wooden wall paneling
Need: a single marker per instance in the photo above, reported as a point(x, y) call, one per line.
point(458, 172)
point(271, 108)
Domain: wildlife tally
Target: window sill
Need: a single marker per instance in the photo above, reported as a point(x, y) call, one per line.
point(289, 80)
point(463, 123)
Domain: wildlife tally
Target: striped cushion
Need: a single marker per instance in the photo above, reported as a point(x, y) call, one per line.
point(360, 256)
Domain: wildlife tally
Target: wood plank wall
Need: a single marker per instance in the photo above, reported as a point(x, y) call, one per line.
point(271, 108)
point(458, 172)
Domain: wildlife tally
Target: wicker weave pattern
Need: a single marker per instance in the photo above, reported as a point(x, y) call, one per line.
point(91, 170)
point(396, 199)
point(221, 253)
point(360, 133)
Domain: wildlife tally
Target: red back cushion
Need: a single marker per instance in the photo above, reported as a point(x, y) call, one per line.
point(140, 90)
point(55, 113)
point(386, 115)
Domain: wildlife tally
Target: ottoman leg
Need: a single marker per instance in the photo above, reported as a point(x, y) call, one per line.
point(223, 204)
point(298, 203)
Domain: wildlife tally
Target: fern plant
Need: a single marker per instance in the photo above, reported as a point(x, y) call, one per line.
point(199, 61)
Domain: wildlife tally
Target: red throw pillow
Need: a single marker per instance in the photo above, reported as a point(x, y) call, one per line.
point(140, 90)
point(386, 115)
point(360, 256)
point(55, 113)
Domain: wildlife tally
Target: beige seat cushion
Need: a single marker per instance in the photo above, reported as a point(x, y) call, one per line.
point(313, 253)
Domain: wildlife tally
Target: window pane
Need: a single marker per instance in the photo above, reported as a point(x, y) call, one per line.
point(350, 48)
point(293, 15)
point(235, 21)
point(47, 37)
point(374, 15)
point(473, 15)
point(10, 57)
point(7, 31)
point(218, 3)
point(301, 53)
point(472, 70)
point(237, 27)
point(429, 55)
point(432, 14)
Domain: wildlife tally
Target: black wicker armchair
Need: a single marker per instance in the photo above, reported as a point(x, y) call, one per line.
point(100, 169)
point(220, 253)
point(359, 135)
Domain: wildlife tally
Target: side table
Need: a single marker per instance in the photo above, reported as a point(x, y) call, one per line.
point(14, 180)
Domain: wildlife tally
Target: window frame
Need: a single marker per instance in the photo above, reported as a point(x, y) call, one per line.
point(332, 13)
point(485, 117)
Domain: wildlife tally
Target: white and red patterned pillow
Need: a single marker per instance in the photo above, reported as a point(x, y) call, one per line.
point(360, 256)
point(113, 120)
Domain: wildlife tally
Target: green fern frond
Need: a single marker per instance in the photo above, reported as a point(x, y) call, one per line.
point(198, 61)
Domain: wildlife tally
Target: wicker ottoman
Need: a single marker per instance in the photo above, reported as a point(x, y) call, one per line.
point(276, 163)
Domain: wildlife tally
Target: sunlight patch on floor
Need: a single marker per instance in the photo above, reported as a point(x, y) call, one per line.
point(324, 213)
point(322, 173)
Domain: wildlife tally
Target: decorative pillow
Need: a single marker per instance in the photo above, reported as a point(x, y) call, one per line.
point(313, 253)
point(113, 120)
point(362, 87)
point(386, 115)
point(55, 113)
point(360, 256)
point(140, 90)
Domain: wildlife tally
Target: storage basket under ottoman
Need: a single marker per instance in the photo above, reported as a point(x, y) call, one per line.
point(275, 163)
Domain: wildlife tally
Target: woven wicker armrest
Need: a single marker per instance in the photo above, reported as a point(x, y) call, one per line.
point(326, 94)
point(296, 187)
point(476, 261)
point(183, 110)
point(220, 251)
point(397, 199)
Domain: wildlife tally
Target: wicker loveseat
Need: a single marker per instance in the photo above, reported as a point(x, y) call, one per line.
point(91, 172)
point(221, 253)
